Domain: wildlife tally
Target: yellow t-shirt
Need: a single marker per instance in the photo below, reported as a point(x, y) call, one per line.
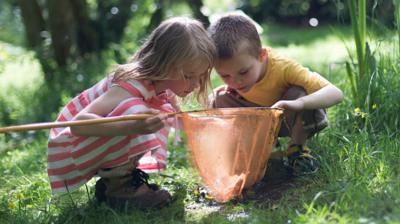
point(282, 73)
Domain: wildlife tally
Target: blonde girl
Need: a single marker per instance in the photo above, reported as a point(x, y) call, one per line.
point(175, 60)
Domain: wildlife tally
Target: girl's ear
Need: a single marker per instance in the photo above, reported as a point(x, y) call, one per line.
point(263, 54)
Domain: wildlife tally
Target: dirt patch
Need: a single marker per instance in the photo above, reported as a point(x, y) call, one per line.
point(277, 181)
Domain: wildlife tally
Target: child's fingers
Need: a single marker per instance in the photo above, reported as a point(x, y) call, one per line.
point(154, 124)
point(152, 111)
point(277, 105)
point(161, 116)
point(220, 89)
point(158, 126)
point(156, 119)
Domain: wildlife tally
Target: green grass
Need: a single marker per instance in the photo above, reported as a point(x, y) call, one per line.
point(358, 182)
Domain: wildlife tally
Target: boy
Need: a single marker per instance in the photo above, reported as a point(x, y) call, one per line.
point(258, 76)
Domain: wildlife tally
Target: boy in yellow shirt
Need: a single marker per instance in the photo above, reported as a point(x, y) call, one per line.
point(258, 76)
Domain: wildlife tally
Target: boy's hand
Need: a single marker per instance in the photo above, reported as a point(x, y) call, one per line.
point(219, 89)
point(323, 98)
point(294, 105)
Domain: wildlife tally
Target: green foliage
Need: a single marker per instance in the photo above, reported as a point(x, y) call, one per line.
point(27, 98)
point(11, 28)
point(372, 77)
point(290, 11)
point(358, 181)
point(297, 12)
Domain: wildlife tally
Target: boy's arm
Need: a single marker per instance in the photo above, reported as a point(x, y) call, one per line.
point(323, 98)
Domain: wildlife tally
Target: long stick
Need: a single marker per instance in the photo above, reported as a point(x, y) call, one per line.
point(45, 125)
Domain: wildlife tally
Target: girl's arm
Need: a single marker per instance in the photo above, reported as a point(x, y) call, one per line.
point(323, 98)
point(102, 106)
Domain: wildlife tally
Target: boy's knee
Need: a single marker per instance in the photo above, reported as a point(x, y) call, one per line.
point(314, 121)
point(294, 92)
point(225, 98)
point(221, 100)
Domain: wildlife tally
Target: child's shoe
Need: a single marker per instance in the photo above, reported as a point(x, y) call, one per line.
point(300, 161)
point(132, 191)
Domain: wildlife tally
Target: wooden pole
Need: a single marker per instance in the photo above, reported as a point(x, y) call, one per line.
point(45, 125)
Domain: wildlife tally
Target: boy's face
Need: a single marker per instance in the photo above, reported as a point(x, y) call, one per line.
point(243, 70)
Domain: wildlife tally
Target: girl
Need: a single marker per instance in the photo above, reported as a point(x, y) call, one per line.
point(176, 59)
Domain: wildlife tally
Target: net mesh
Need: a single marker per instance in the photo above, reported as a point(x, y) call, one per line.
point(230, 147)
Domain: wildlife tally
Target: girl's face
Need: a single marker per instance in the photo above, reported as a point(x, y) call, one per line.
point(186, 78)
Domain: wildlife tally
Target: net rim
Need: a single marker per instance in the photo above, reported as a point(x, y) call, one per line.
point(229, 111)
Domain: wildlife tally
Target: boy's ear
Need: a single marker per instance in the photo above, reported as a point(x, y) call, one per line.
point(263, 54)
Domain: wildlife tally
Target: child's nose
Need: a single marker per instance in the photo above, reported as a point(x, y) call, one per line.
point(194, 83)
point(237, 79)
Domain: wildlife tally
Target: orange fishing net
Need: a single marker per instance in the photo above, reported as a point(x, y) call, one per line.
point(230, 147)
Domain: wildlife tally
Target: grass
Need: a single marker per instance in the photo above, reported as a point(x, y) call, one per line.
point(358, 181)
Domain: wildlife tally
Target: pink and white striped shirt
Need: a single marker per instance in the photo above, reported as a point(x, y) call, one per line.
point(74, 160)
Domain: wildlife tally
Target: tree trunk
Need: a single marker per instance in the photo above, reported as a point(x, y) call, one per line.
point(157, 16)
point(111, 20)
point(33, 21)
point(195, 6)
point(87, 37)
point(119, 21)
point(61, 23)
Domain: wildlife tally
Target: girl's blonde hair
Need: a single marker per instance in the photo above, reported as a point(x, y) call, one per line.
point(174, 42)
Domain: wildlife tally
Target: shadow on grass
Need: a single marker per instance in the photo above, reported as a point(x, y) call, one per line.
point(93, 212)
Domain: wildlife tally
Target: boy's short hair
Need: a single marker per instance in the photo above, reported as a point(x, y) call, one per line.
point(230, 31)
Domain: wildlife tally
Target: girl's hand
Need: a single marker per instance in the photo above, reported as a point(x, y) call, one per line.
point(294, 105)
point(148, 125)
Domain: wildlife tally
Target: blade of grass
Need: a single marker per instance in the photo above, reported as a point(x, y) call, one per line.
point(350, 74)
